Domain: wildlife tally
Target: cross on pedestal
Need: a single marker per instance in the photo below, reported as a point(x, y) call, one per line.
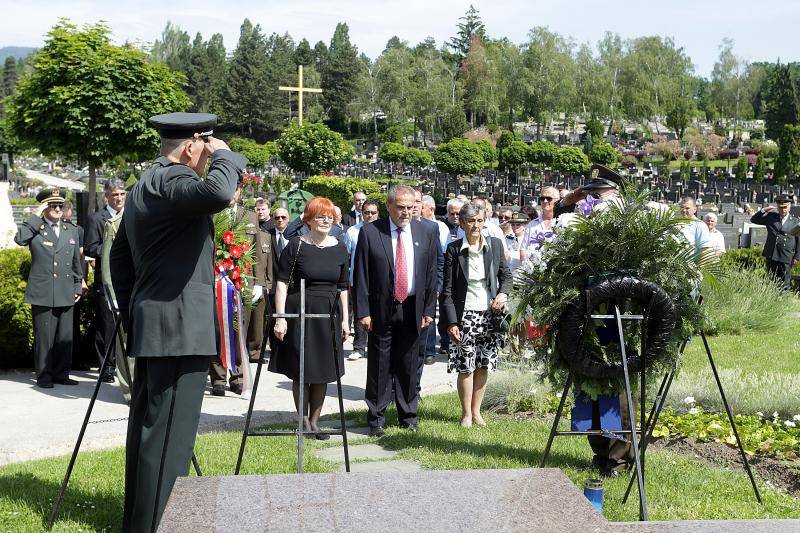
point(299, 90)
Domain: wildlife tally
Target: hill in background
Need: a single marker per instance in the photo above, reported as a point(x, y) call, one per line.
point(17, 52)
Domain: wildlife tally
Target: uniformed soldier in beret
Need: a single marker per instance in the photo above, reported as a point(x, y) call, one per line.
point(782, 249)
point(163, 276)
point(54, 285)
point(604, 182)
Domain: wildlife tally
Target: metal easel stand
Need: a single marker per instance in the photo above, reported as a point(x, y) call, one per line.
point(638, 458)
point(98, 383)
point(300, 431)
point(658, 405)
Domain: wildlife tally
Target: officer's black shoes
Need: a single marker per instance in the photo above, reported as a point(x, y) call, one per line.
point(430, 359)
point(410, 427)
point(65, 381)
point(376, 431)
point(107, 378)
point(44, 384)
point(236, 388)
point(218, 390)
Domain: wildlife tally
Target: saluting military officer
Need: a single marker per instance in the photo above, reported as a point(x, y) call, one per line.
point(782, 249)
point(54, 285)
point(163, 275)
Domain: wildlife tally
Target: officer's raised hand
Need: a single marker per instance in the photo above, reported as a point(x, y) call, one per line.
point(212, 144)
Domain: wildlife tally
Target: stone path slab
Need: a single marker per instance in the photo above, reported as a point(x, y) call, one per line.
point(396, 465)
point(362, 452)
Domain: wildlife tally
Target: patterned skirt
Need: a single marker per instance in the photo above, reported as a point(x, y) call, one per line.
point(481, 341)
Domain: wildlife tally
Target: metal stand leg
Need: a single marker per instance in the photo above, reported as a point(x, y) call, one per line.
point(247, 421)
point(554, 429)
point(60, 498)
point(632, 418)
point(730, 416)
point(301, 409)
point(342, 419)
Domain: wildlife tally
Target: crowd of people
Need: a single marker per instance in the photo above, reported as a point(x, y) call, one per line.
point(392, 282)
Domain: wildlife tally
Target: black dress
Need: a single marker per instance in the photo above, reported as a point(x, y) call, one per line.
point(326, 273)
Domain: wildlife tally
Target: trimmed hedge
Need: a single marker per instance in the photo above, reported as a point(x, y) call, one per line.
point(340, 190)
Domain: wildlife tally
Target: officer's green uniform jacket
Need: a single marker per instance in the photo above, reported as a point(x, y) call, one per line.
point(56, 274)
point(781, 246)
point(162, 257)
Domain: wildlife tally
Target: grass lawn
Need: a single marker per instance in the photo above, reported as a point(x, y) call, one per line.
point(678, 487)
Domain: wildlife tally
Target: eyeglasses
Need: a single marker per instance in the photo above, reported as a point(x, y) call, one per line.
point(503, 217)
point(368, 213)
point(55, 206)
point(546, 199)
point(323, 218)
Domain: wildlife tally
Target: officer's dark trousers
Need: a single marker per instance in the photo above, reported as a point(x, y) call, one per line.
point(104, 329)
point(162, 426)
point(52, 342)
point(392, 362)
point(781, 271)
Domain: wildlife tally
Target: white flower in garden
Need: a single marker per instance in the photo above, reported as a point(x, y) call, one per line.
point(796, 418)
point(694, 411)
point(790, 424)
point(760, 414)
point(688, 400)
point(775, 415)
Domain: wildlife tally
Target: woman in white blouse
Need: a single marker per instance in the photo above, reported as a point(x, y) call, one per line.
point(716, 238)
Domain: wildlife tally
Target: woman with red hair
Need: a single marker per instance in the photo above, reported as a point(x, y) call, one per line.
point(322, 261)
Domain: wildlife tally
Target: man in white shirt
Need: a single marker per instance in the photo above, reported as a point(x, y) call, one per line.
point(715, 237)
point(369, 211)
point(695, 231)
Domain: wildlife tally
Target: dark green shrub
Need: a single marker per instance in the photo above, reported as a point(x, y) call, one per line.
point(16, 323)
point(459, 156)
point(604, 153)
point(489, 152)
point(749, 258)
point(513, 156)
point(340, 190)
point(392, 152)
point(417, 157)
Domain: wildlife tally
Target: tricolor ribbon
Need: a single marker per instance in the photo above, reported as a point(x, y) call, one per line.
point(229, 317)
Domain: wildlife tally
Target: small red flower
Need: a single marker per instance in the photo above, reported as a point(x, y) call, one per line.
point(228, 237)
point(220, 266)
point(247, 268)
point(246, 246)
point(238, 284)
point(235, 274)
point(236, 251)
point(227, 264)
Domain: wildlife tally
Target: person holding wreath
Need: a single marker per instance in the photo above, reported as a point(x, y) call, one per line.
point(322, 260)
point(477, 281)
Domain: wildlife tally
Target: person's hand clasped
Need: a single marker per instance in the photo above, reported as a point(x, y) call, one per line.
point(258, 293)
point(426, 321)
point(280, 328)
point(499, 302)
point(366, 322)
point(77, 297)
point(345, 329)
point(454, 333)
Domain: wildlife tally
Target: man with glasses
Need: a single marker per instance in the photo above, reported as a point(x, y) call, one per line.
point(394, 276)
point(54, 286)
point(369, 211)
point(281, 218)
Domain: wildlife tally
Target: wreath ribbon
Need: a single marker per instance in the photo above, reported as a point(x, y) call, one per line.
point(229, 317)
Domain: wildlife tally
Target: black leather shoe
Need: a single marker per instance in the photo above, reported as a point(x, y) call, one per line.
point(236, 388)
point(322, 436)
point(411, 427)
point(218, 390)
point(65, 381)
point(430, 359)
point(44, 385)
point(107, 378)
point(376, 431)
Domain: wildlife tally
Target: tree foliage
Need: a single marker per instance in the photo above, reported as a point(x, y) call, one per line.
point(258, 155)
point(542, 153)
point(458, 156)
point(570, 160)
point(781, 102)
point(788, 160)
point(488, 151)
point(312, 148)
point(392, 152)
point(455, 124)
point(513, 156)
point(416, 157)
point(604, 153)
point(339, 77)
point(88, 100)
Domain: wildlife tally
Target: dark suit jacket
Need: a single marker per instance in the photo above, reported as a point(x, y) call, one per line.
point(55, 276)
point(373, 274)
point(454, 291)
point(162, 257)
point(349, 219)
point(93, 248)
point(781, 246)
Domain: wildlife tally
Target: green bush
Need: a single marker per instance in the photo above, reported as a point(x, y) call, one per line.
point(541, 153)
point(340, 190)
point(744, 299)
point(595, 128)
point(258, 155)
point(750, 258)
point(459, 157)
point(417, 157)
point(27, 200)
point(570, 160)
point(489, 152)
point(312, 148)
point(16, 323)
point(397, 132)
point(392, 152)
point(513, 155)
point(604, 153)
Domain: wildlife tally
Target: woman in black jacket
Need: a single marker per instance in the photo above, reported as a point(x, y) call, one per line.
point(477, 281)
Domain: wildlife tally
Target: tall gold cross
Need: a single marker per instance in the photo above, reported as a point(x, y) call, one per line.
point(300, 90)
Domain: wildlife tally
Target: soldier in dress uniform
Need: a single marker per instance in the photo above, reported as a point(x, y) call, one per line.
point(54, 285)
point(265, 268)
point(163, 275)
point(782, 249)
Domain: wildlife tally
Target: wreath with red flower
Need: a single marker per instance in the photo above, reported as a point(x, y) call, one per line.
point(233, 252)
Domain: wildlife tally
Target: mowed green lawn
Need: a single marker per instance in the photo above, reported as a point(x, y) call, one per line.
point(678, 487)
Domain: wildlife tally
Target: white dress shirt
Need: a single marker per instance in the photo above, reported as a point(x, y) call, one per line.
point(350, 242)
point(56, 227)
point(408, 250)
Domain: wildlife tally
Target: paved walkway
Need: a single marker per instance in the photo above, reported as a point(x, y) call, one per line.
point(45, 422)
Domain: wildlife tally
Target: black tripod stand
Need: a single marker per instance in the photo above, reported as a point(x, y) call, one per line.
point(300, 431)
point(106, 360)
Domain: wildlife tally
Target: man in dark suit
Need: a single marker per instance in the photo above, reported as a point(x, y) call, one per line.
point(54, 285)
point(104, 318)
point(163, 276)
point(782, 249)
point(395, 293)
point(354, 216)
